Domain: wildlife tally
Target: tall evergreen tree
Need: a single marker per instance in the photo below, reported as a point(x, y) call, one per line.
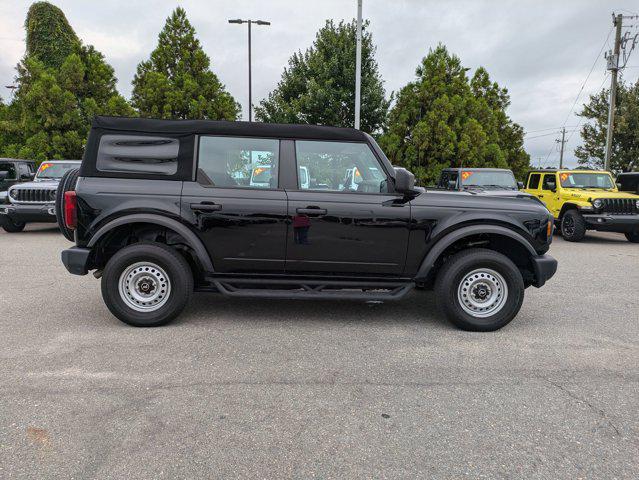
point(50, 38)
point(176, 82)
point(61, 84)
point(443, 119)
point(318, 87)
point(625, 138)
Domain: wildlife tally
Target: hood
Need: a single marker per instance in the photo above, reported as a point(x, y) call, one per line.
point(501, 193)
point(489, 200)
point(46, 184)
point(587, 193)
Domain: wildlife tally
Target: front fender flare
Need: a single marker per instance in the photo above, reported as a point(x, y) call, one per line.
point(433, 254)
point(194, 242)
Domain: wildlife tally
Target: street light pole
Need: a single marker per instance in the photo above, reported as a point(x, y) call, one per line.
point(250, 93)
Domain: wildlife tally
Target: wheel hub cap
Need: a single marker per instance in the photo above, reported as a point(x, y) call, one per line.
point(144, 287)
point(482, 292)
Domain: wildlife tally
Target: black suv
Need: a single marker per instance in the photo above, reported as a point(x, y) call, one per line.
point(499, 182)
point(161, 208)
point(13, 171)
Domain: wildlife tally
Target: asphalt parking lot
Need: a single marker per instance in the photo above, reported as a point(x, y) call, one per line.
point(289, 389)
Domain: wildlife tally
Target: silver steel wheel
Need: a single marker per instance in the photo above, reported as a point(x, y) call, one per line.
point(482, 293)
point(144, 287)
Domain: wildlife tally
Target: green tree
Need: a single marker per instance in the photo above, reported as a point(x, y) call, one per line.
point(50, 38)
point(176, 82)
point(51, 111)
point(318, 87)
point(625, 139)
point(443, 119)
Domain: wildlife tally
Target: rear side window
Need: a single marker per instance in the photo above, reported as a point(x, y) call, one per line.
point(533, 181)
point(242, 162)
point(138, 154)
point(9, 170)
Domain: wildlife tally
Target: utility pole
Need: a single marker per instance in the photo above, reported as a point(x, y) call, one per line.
point(358, 65)
point(561, 149)
point(613, 66)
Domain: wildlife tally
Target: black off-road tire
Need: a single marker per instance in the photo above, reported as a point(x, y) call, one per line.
point(633, 236)
point(573, 226)
point(179, 279)
point(451, 282)
point(67, 184)
point(10, 226)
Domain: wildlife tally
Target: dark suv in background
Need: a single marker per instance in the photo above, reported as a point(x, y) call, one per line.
point(14, 171)
point(160, 208)
point(34, 201)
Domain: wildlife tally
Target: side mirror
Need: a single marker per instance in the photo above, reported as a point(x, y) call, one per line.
point(452, 184)
point(404, 180)
point(520, 185)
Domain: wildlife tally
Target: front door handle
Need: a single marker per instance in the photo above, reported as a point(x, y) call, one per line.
point(311, 211)
point(206, 207)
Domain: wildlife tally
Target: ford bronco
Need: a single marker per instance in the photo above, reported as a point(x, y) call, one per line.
point(160, 208)
point(582, 200)
point(35, 201)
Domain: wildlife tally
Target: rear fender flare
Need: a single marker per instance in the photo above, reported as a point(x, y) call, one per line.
point(431, 257)
point(194, 242)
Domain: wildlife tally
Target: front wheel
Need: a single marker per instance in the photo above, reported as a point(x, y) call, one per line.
point(633, 236)
point(479, 290)
point(147, 284)
point(573, 226)
point(10, 226)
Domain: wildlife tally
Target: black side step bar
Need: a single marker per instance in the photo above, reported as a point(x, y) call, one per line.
point(318, 289)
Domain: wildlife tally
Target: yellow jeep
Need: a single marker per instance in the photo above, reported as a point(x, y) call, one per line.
point(583, 200)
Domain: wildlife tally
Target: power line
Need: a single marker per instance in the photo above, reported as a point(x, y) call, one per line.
point(582, 118)
point(546, 134)
point(603, 46)
point(594, 64)
point(546, 129)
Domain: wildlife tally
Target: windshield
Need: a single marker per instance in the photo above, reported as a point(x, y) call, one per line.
point(56, 170)
point(488, 179)
point(586, 180)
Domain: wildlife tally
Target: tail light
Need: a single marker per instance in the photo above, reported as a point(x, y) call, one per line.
point(70, 210)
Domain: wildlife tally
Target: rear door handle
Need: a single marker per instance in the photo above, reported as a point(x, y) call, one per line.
point(205, 207)
point(311, 211)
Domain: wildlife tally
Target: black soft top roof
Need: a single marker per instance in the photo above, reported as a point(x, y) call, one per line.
point(214, 127)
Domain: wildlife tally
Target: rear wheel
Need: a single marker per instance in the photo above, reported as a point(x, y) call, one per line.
point(147, 284)
point(479, 290)
point(67, 184)
point(10, 226)
point(573, 226)
point(633, 236)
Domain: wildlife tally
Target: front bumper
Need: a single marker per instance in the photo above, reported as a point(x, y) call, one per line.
point(612, 223)
point(76, 260)
point(545, 267)
point(24, 213)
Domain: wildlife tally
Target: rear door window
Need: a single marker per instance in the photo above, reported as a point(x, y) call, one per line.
point(533, 181)
point(238, 162)
point(9, 169)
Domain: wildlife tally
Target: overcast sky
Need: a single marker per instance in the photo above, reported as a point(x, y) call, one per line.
point(542, 51)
